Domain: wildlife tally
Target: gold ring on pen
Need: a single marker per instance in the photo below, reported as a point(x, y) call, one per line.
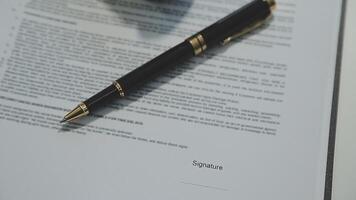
point(198, 43)
point(119, 88)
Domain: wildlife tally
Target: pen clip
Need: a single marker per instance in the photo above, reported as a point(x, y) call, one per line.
point(244, 31)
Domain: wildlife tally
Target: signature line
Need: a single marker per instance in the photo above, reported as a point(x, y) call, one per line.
point(205, 186)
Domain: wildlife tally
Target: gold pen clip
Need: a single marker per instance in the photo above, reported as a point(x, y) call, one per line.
point(245, 31)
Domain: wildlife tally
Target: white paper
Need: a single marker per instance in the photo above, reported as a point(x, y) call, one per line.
point(257, 111)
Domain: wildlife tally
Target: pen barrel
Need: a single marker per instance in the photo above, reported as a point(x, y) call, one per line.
point(139, 76)
point(237, 21)
point(151, 69)
point(213, 35)
point(102, 98)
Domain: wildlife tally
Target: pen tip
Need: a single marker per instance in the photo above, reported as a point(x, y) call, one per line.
point(63, 120)
point(79, 111)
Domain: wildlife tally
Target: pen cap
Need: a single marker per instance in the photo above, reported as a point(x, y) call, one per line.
point(249, 14)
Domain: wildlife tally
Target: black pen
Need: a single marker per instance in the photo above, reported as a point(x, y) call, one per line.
point(222, 32)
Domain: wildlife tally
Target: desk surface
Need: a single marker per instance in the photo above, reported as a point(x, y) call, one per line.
point(345, 152)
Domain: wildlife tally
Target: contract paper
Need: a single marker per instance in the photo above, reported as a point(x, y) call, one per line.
point(249, 120)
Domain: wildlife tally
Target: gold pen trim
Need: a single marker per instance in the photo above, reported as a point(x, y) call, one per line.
point(119, 88)
point(198, 43)
point(272, 4)
point(242, 32)
point(79, 111)
point(245, 31)
point(84, 108)
point(202, 42)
